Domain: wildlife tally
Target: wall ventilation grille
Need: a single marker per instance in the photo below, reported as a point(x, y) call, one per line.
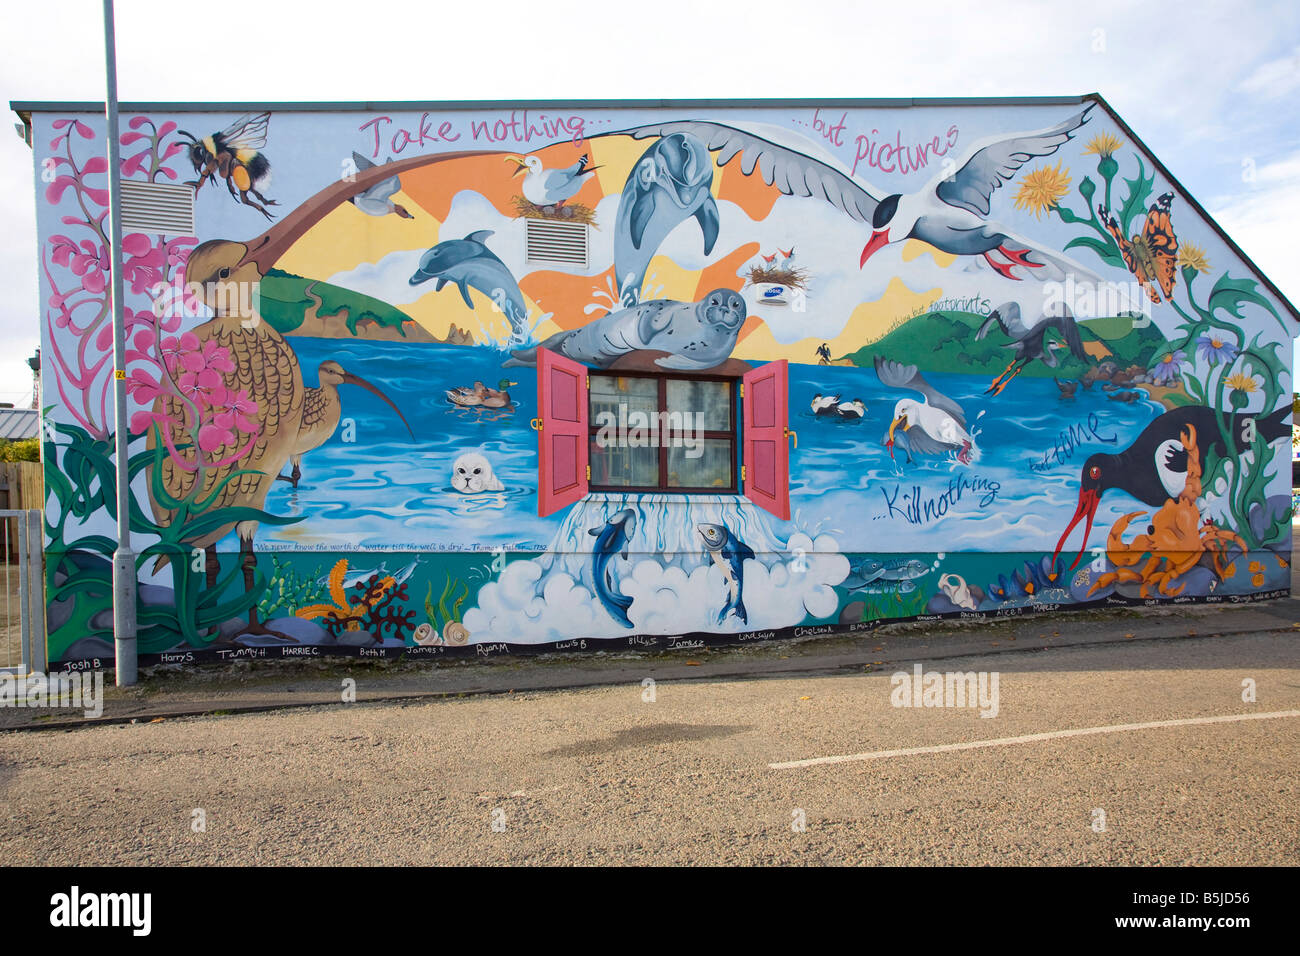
point(551, 241)
point(161, 208)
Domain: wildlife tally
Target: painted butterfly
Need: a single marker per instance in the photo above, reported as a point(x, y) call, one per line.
point(1152, 256)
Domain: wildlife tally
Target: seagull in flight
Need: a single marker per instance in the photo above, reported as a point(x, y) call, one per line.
point(378, 199)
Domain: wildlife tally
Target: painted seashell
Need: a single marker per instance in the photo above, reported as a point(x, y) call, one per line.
point(455, 633)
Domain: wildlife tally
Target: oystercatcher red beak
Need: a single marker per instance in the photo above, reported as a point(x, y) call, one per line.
point(1089, 500)
point(879, 239)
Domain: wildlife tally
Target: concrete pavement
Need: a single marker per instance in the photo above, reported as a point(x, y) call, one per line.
point(685, 774)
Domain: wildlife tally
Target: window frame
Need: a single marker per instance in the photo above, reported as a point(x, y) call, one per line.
point(732, 434)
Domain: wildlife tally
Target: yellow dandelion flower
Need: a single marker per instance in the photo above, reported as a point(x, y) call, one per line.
point(1103, 145)
point(1043, 189)
point(1241, 382)
point(1192, 255)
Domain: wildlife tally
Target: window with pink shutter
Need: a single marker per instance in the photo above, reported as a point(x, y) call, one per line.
point(593, 433)
point(766, 454)
point(561, 431)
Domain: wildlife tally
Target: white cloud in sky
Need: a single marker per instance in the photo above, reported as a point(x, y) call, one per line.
point(1274, 78)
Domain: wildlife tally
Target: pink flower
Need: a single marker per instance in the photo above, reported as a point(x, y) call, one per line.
point(141, 421)
point(198, 386)
point(240, 412)
point(143, 387)
point(209, 357)
point(213, 436)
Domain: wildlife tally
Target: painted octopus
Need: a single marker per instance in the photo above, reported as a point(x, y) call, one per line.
point(1175, 540)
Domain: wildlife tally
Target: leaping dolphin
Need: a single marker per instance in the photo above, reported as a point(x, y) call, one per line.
point(670, 183)
point(468, 262)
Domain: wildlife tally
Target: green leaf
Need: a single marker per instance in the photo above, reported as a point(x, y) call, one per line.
point(1108, 253)
point(1138, 191)
point(1229, 294)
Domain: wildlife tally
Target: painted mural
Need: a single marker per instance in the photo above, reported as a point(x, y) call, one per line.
point(507, 380)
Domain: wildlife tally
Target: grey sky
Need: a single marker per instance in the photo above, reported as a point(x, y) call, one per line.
point(1212, 88)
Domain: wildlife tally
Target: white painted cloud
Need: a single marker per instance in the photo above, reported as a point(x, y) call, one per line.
point(677, 590)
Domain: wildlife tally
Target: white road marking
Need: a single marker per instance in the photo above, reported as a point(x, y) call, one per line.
point(1030, 738)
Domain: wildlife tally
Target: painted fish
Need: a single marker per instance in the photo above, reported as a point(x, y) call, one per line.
point(401, 576)
point(612, 539)
point(730, 554)
point(877, 572)
point(356, 577)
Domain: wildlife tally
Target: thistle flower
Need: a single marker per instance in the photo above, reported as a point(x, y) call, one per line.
point(1103, 145)
point(1241, 382)
point(1043, 189)
point(1191, 256)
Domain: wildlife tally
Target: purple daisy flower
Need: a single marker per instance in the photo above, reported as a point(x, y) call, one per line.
point(1213, 348)
point(1165, 372)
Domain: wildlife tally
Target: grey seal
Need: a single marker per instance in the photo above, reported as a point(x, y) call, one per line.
point(698, 334)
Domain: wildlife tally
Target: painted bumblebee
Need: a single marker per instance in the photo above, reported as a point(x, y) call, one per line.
point(235, 155)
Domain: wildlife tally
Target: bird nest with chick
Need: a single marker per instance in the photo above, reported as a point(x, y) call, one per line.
point(568, 212)
point(794, 278)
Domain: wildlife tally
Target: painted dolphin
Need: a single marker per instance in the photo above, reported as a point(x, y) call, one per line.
point(468, 262)
point(730, 554)
point(669, 184)
point(698, 334)
point(612, 539)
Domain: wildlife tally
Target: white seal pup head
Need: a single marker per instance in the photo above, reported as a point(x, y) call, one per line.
point(471, 474)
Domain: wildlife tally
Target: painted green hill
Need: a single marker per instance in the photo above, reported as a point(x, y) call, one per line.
point(286, 298)
point(945, 342)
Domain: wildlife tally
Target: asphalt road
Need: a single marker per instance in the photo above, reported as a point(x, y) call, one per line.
point(603, 775)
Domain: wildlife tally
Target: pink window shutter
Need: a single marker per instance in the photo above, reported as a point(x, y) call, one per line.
point(562, 431)
point(766, 455)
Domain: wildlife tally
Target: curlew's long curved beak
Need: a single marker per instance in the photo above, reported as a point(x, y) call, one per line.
point(1089, 500)
point(351, 379)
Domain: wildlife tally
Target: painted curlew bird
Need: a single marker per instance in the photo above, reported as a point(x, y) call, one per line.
point(265, 369)
point(321, 410)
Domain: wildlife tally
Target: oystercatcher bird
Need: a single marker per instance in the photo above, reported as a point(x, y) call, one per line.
point(1029, 341)
point(1154, 468)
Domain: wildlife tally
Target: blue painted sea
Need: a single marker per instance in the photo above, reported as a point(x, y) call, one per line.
point(374, 486)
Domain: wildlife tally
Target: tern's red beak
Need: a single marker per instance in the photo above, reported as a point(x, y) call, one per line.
point(879, 239)
point(1089, 500)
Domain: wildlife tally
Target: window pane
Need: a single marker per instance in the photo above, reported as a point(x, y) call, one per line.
point(707, 463)
point(615, 463)
point(611, 394)
point(708, 403)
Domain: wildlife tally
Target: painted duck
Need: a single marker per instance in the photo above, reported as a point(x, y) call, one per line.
point(481, 395)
